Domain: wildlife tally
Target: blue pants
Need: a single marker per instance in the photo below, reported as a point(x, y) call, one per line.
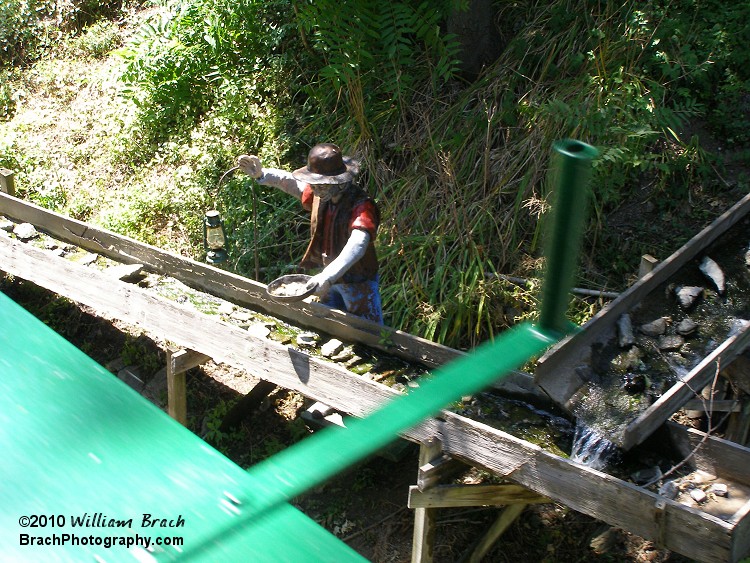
point(361, 299)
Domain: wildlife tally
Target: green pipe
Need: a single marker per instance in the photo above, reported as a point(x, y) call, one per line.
point(317, 458)
point(563, 240)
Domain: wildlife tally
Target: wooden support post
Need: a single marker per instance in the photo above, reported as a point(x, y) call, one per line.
point(424, 518)
point(648, 263)
point(178, 362)
point(7, 183)
point(246, 405)
point(738, 429)
point(506, 518)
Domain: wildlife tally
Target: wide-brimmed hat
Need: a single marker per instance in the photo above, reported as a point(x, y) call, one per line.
point(326, 165)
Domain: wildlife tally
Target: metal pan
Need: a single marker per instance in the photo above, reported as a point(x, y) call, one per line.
point(290, 288)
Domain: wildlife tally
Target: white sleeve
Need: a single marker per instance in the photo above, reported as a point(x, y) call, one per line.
point(282, 180)
point(353, 251)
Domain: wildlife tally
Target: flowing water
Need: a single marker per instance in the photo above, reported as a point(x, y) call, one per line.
point(592, 449)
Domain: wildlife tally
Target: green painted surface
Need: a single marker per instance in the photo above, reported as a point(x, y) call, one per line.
point(79, 445)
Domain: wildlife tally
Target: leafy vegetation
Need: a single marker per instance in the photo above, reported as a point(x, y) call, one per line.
point(459, 167)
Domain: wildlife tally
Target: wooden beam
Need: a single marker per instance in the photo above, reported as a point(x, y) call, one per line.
point(685, 530)
point(653, 417)
point(432, 472)
point(648, 263)
point(724, 405)
point(424, 518)
point(178, 362)
point(246, 405)
point(237, 289)
point(703, 536)
point(455, 496)
point(186, 328)
point(738, 427)
point(183, 360)
point(7, 182)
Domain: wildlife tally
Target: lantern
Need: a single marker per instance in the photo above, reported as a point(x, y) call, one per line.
point(214, 238)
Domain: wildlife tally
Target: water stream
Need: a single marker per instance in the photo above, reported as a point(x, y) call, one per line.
point(592, 449)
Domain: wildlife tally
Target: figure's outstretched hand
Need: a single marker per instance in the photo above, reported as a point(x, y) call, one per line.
point(250, 165)
point(320, 282)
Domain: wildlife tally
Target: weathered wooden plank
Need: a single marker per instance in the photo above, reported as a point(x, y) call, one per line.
point(183, 360)
point(234, 288)
point(738, 427)
point(555, 371)
point(423, 539)
point(435, 470)
point(741, 547)
point(455, 496)
point(178, 362)
point(724, 405)
point(684, 529)
point(716, 456)
point(285, 366)
point(653, 417)
point(7, 182)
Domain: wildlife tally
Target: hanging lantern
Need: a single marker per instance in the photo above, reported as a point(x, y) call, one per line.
point(214, 238)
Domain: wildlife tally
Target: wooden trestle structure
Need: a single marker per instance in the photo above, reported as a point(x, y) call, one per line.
point(534, 475)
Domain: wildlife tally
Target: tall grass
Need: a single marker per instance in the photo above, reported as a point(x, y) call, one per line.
point(459, 169)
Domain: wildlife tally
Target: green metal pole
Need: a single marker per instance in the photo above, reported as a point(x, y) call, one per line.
point(563, 240)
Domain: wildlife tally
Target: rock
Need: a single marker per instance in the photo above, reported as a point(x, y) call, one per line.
point(225, 308)
point(400, 387)
point(126, 272)
point(606, 541)
point(747, 257)
point(634, 383)
point(628, 361)
point(307, 339)
point(736, 326)
point(688, 295)
point(698, 495)
point(241, 316)
point(344, 356)
point(25, 231)
point(719, 489)
point(331, 348)
point(132, 376)
point(686, 327)
point(89, 258)
point(714, 273)
point(6, 225)
point(654, 328)
point(625, 331)
point(669, 490)
point(671, 342)
point(700, 477)
point(259, 330)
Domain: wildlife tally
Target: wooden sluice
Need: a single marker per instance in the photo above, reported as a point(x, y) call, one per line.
point(563, 371)
point(722, 535)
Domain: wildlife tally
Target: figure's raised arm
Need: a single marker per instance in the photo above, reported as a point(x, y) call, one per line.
point(281, 179)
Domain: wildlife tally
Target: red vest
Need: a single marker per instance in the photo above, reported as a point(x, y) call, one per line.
point(365, 269)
